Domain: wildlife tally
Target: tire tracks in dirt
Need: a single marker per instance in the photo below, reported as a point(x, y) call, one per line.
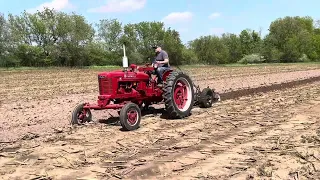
point(189, 137)
point(274, 153)
point(220, 75)
point(263, 89)
point(250, 82)
point(174, 145)
point(170, 166)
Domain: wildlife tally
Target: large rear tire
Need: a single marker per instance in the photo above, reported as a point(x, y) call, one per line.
point(178, 95)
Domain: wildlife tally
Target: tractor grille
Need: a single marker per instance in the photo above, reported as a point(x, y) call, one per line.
point(105, 85)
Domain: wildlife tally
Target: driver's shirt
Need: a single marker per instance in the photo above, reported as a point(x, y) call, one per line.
point(161, 56)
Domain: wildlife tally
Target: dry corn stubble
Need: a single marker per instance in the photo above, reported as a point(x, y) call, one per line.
point(231, 140)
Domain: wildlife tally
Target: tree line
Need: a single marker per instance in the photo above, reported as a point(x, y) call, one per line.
point(53, 38)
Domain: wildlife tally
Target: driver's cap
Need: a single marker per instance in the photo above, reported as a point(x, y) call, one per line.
point(156, 46)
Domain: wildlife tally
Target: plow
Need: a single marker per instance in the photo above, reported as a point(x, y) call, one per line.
point(134, 88)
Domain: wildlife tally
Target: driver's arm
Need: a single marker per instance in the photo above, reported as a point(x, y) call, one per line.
point(165, 58)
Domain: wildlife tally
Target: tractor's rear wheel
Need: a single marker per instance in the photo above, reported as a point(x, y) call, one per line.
point(80, 115)
point(206, 98)
point(130, 116)
point(178, 95)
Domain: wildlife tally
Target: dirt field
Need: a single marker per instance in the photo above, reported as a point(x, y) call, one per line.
point(270, 135)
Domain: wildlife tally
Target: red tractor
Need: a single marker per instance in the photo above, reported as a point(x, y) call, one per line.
point(129, 89)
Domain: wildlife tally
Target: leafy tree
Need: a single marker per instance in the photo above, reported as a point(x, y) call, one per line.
point(173, 45)
point(6, 47)
point(233, 42)
point(292, 36)
point(53, 38)
point(210, 49)
point(50, 38)
point(250, 42)
point(148, 34)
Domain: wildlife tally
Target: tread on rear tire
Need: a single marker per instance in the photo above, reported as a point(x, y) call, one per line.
point(173, 94)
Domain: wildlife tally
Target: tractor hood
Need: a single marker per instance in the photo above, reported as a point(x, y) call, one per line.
point(123, 75)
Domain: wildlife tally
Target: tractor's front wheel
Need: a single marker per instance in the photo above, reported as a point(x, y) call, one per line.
point(178, 95)
point(130, 116)
point(80, 115)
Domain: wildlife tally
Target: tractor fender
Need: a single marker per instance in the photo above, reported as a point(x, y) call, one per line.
point(166, 74)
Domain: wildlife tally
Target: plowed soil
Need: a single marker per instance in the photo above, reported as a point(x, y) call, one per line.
point(273, 135)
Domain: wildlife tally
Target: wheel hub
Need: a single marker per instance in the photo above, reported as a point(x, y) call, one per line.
point(82, 115)
point(132, 117)
point(181, 94)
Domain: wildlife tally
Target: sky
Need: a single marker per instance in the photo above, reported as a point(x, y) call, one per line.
point(192, 18)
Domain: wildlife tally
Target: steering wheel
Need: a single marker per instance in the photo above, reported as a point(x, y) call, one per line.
point(155, 65)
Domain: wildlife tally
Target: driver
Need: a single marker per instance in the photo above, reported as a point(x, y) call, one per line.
point(162, 59)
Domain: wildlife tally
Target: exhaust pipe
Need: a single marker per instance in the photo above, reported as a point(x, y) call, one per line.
point(124, 59)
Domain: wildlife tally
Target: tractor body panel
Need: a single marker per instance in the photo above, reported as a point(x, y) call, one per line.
point(124, 86)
